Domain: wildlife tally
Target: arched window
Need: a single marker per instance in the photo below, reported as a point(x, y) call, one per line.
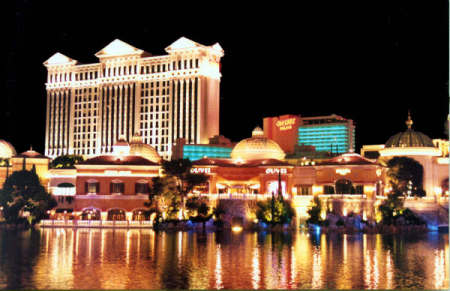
point(90, 214)
point(117, 187)
point(141, 214)
point(116, 214)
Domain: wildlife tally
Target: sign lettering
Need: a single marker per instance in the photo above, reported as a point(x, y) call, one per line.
point(200, 170)
point(276, 171)
point(285, 124)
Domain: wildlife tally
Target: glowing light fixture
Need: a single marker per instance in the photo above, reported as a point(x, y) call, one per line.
point(236, 228)
point(343, 171)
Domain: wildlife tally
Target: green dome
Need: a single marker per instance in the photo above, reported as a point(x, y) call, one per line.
point(409, 138)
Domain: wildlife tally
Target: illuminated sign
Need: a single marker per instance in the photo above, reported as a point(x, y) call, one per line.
point(276, 171)
point(201, 171)
point(343, 171)
point(285, 124)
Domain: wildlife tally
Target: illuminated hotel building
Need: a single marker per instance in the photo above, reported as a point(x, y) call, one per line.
point(161, 98)
point(218, 147)
point(330, 133)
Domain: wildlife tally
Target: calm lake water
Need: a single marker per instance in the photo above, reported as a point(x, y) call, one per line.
point(145, 259)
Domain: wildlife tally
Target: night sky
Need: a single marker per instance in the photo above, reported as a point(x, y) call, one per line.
point(369, 61)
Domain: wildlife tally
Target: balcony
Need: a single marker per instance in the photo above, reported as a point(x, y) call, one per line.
point(97, 223)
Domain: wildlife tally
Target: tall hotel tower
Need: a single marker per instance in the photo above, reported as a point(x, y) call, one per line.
point(161, 98)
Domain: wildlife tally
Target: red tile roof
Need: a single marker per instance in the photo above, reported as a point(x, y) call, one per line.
point(232, 163)
point(347, 159)
point(115, 160)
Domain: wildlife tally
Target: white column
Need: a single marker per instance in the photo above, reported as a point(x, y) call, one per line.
point(175, 109)
point(47, 125)
point(192, 98)
point(117, 114)
point(186, 102)
point(182, 101)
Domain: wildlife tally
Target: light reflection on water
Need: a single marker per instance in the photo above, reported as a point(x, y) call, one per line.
point(144, 259)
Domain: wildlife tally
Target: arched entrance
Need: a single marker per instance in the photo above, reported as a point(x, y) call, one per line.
point(91, 213)
point(140, 215)
point(116, 214)
point(344, 186)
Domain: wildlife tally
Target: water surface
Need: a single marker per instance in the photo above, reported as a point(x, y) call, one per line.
point(145, 259)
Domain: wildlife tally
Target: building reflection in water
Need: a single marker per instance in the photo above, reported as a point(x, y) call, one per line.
point(218, 269)
point(144, 259)
point(255, 264)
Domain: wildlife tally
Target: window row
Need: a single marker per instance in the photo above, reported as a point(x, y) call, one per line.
point(154, 100)
point(83, 121)
point(86, 76)
point(86, 90)
point(118, 71)
point(116, 187)
point(85, 106)
point(155, 84)
point(85, 114)
point(86, 144)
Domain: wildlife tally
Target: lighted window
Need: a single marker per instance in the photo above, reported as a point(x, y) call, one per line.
point(117, 187)
point(327, 189)
point(304, 189)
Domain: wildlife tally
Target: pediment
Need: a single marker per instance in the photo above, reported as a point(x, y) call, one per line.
point(59, 59)
point(183, 43)
point(118, 48)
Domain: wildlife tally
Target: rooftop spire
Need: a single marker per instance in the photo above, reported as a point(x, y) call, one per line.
point(409, 122)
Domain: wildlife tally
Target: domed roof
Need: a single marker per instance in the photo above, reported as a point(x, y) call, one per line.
point(31, 154)
point(6, 150)
point(257, 147)
point(409, 138)
point(139, 148)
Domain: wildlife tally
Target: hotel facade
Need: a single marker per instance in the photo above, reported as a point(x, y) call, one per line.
point(330, 133)
point(129, 91)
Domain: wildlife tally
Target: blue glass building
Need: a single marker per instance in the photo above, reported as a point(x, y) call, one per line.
point(196, 152)
point(331, 134)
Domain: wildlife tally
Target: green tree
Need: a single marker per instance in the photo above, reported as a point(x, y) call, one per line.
point(406, 175)
point(314, 212)
point(392, 209)
point(163, 197)
point(66, 162)
point(282, 211)
point(185, 181)
point(392, 206)
point(23, 194)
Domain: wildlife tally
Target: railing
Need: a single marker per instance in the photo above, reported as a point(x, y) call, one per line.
point(238, 196)
point(344, 196)
point(96, 223)
point(269, 196)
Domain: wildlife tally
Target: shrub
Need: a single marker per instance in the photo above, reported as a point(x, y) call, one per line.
point(314, 212)
point(282, 211)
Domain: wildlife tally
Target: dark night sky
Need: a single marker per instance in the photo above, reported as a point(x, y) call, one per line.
point(369, 61)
